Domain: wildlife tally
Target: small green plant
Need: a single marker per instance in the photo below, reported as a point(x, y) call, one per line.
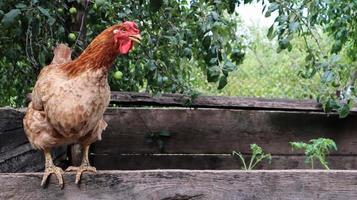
point(257, 156)
point(316, 149)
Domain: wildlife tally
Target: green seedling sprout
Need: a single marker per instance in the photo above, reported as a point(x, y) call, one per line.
point(316, 149)
point(257, 156)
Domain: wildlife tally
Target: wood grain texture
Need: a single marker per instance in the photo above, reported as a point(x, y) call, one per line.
point(179, 100)
point(11, 130)
point(134, 98)
point(183, 184)
point(221, 130)
point(211, 161)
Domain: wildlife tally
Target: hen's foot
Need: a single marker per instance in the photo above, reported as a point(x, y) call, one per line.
point(80, 170)
point(52, 170)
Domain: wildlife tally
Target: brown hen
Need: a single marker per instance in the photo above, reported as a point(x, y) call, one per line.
point(70, 97)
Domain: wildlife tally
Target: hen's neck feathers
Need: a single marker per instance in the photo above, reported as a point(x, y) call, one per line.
point(99, 55)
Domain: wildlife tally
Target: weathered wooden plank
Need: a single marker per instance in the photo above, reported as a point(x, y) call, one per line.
point(26, 159)
point(210, 161)
point(134, 98)
point(11, 131)
point(10, 119)
point(221, 130)
point(137, 99)
point(187, 184)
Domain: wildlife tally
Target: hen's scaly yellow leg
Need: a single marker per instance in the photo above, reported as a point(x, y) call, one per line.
point(50, 168)
point(85, 166)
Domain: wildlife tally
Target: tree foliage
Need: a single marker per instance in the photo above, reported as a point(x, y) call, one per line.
point(179, 36)
point(304, 18)
point(183, 42)
point(266, 73)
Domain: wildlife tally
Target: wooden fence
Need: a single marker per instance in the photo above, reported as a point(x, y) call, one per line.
point(187, 185)
point(173, 132)
point(202, 134)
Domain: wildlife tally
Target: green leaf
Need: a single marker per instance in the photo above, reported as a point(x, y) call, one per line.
point(272, 7)
point(337, 46)
point(237, 56)
point(42, 59)
point(343, 111)
point(213, 73)
point(150, 65)
point(46, 12)
point(155, 5)
point(213, 61)
point(232, 6)
point(270, 34)
point(330, 105)
point(229, 66)
point(256, 149)
point(350, 103)
point(10, 16)
point(298, 145)
point(20, 6)
point(206, 42)
point(222, 82)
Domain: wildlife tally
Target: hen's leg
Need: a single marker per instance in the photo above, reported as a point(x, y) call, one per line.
point(85, 166)
point(50, 168)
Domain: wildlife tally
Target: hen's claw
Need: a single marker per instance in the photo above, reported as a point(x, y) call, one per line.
point(53, 170)
point(80, 170)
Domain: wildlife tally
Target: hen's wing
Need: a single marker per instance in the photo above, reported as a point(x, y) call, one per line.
point(62, 55)
point(39, 132)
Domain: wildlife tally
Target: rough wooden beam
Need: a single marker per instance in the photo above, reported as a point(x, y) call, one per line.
point(224, 102)
point(211, 161)
point(206, 130)
point(183, 184)
point(133, 98)
point(11, 131)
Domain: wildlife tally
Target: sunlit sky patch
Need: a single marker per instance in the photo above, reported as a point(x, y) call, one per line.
point(252, 15)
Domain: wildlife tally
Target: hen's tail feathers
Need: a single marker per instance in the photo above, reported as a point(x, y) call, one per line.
point(62, 54)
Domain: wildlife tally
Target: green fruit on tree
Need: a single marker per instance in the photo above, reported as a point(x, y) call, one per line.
point(118, 75)
point(335, 83)
point(72, 37)
point(60, 10)
point(72, 10)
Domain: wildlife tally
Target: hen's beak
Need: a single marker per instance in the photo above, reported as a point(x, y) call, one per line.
point(135, 38)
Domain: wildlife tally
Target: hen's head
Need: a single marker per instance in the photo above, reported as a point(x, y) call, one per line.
point(125, 35)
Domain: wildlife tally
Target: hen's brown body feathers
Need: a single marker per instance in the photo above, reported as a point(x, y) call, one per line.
point(65, 111)
point(70, 97)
